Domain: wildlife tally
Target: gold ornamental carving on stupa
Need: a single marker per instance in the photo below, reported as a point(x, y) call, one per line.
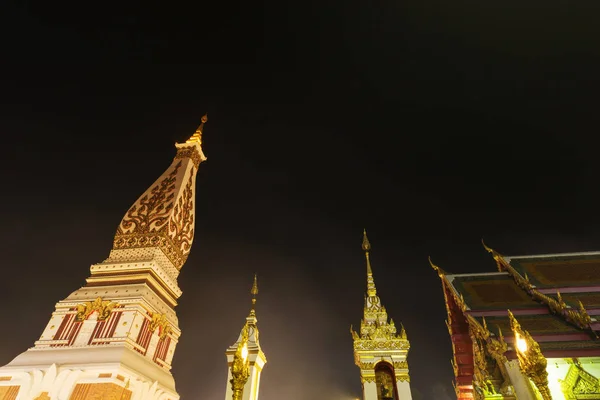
point(163, 216)
point(160, 322)
point(151, 222)
point(102, 307)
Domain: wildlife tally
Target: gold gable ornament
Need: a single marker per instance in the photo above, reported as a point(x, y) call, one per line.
point(580, 384)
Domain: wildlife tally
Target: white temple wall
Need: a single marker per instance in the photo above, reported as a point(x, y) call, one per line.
point(370, 391)
point(404, 390)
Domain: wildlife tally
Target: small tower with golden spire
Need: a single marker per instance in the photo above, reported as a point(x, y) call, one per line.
point(380, 351)
point(245, 358)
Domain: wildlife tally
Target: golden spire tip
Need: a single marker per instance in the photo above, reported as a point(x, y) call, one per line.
point(254, 290)
point(197, 136)
point(366, 246)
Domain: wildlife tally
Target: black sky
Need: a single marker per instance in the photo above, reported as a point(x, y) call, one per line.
point(431, 123)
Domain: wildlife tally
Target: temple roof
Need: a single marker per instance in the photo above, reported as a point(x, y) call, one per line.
point(554, 297)
point(560, 270)
point(490, 291)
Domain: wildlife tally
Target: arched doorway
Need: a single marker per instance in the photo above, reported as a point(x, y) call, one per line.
point(385, 380)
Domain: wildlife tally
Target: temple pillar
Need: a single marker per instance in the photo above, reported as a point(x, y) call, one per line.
point(519, 381)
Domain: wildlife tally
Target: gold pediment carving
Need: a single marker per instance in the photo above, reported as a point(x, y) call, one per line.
point(580, 384)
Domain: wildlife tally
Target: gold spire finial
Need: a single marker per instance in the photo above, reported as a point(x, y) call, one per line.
point(254, 292)
point(197, 136)
point(366, 246)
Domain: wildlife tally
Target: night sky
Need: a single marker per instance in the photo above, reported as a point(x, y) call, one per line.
point(432, 123)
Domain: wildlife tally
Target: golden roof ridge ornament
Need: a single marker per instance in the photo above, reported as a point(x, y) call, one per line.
point(197, 136)
point(366, 246)
point(436, 268)
point(580, 317)
point(497, 256)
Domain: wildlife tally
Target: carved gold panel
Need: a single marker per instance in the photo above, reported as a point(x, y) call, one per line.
point(579, 384)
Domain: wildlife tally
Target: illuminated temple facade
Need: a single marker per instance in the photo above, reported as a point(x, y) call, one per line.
point(528, 331)
point(380, 351)
point(115, 337)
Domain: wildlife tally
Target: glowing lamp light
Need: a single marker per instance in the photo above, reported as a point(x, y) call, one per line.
point(245, 352)
point(521, 343)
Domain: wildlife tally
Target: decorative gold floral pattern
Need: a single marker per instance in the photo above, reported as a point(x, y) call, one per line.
point(160, 321)
point(151, 212)
point(164, 216)
point(580, 384)
point(191, 153)
point(104, 308)
point(181, 224)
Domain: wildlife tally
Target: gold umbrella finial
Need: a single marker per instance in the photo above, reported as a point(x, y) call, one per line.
point(197, 136)
point(366, 246)
point(254, 290)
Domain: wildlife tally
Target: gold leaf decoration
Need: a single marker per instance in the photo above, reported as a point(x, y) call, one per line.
point(103, 308)
point(160, 321)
